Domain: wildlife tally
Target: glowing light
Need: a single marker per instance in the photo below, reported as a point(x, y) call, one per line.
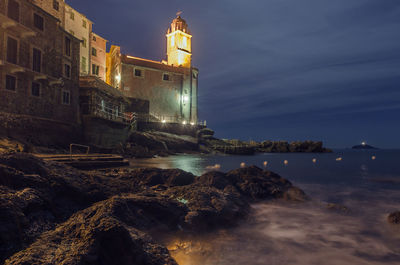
point(192, 123)
point(163, 121)
point(184, 122)
point(314, 160)
point(184, 40)
point(185, 99)
point(339, 159)
point(363, 143)
point(373, 157)
point(285, 162)
point(173, 41)
point(265, 163)
point(118, 78)
point(243, 164)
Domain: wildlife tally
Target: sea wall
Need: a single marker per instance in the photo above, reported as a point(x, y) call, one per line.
point(174, 128)
point(105, 133)
point(39, 131)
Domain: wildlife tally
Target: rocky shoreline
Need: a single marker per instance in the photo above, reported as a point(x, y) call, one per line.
point(54, 214)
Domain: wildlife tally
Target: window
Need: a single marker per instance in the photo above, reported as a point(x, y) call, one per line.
point(11, 82)
point(35, 89)
point(84, 23)
point(13, 10)
point(173, 41)
point(38, 22)
point(185, 42)
point(72, 15)
point(94, 38)
point(138, 72)
point(166, 77)
point(36, 60)
point(66, 97)
point(194, 76)
point(94, 52)
point(84, 42)
point(83, 64)
point(12, 50)
point(56, 5)
point(67, 70)
point(67, 46)
point(95, 69)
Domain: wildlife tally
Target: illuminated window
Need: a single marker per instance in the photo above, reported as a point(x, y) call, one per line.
point(173, 41)
point(84, 23)
point(184, 42)
point(83, 64)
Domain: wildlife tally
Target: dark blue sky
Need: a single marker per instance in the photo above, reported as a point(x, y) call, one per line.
point(278, 69)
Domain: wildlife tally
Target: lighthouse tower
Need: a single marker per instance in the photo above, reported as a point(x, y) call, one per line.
point(179, 43)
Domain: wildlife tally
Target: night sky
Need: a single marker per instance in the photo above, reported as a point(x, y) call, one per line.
point(277, 69)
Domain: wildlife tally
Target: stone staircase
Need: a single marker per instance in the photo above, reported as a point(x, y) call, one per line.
point(87, 161)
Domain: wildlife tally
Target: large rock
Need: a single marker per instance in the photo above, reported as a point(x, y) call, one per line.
point(394, 218)
point(107, 233)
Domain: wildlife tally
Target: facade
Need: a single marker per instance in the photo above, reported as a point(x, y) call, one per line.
point(170, 87)
point(98, 56)
point(54, 7)
point(81, 27)
point(39, 63)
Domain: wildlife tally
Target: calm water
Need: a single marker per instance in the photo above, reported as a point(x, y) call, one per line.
point(283, 233)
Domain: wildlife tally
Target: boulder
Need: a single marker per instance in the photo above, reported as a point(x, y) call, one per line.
point(394, 218)
point(106, 233)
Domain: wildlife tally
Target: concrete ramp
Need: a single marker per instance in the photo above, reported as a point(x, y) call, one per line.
point(87, 161)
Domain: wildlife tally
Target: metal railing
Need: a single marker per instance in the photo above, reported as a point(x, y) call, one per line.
point(109, 113)
point(78, 145)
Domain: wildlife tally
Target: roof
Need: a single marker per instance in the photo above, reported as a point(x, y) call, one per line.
point(93, 82)
point(153, 64)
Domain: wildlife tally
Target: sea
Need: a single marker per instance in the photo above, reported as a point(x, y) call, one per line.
point(364, 184)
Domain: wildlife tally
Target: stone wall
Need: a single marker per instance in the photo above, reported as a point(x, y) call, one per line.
point(105, 134)
point(39, 131)
point(174, 128)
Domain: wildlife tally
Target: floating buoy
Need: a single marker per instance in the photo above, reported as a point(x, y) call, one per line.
point(215, 167)
point(373, 157)
point(285, 162)
point(339, 159)
point(243, 164)
point(265, 163)
point(314, 160)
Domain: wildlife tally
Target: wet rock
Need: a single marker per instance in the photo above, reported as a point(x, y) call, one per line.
point(169, 177)
point(106, 233)
point(394, 218)
point(337, 207)
point(209, 207)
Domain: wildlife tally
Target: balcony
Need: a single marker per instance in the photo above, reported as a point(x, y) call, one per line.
point(22, 31)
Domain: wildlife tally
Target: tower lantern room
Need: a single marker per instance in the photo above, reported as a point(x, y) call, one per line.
point(179, 43)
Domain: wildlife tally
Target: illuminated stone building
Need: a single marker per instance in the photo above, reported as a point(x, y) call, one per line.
point(98, 56)
point(39, 64)
point(170, 85)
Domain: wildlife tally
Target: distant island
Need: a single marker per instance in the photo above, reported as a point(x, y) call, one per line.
point(363, 146)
